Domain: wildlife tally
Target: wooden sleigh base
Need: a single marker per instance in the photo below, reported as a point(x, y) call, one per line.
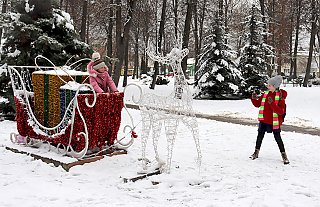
point(67, 166)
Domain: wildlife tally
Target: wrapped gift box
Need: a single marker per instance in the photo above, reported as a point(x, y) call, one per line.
point(46, 85)
point(67, 93)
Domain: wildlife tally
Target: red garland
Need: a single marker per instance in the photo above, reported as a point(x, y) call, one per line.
point(103, 122)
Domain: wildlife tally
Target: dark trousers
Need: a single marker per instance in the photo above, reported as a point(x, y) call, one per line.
point(277, 137)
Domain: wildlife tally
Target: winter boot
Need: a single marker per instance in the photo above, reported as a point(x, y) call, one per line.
point(285, 158)
point(255, 154)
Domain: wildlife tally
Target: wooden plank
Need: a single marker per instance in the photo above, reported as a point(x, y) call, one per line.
point(66, 166)
point(157, 172)
point(96, 158)
point(82, 162)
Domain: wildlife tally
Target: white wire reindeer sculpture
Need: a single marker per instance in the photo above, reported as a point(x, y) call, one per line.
point(170, 109)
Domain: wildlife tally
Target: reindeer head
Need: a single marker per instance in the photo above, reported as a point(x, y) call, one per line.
point(176, 55)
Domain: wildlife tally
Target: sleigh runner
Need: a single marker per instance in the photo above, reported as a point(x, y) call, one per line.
point(57, 106)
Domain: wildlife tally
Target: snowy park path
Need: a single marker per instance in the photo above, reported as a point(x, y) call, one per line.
point(249, 122)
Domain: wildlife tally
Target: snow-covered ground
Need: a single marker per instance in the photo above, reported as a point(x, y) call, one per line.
point(227, 176)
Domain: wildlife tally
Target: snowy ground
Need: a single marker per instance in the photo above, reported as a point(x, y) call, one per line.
point(227, 176)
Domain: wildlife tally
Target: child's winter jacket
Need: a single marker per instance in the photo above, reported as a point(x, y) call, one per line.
point(273, 107)
point(101, 82)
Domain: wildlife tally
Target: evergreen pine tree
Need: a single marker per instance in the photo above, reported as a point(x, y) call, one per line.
point(6, 93)
point(38, 27)
point(255, 55)
point(218, 76)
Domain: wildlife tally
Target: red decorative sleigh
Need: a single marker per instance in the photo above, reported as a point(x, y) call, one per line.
point(73, 121)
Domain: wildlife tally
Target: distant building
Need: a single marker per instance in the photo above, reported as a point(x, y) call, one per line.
point(190, 66)
point(302, 56)
point(302, 61)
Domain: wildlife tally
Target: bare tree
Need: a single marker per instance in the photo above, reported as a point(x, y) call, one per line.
point(196, 37)
point(84, 21)
point(159, 43)
point(175, 11)
point(201, 22)
point(136, 53)
point(312, 41)
point(110, 34)
point(199, 11)
point(130, 7)
point(297, 29)
point(186, 33)
point(122, 35)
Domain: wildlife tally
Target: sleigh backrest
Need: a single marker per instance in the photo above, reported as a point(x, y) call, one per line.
point(21, 79)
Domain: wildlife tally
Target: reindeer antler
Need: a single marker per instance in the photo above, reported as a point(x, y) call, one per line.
point(156, 57)
point(176, 54)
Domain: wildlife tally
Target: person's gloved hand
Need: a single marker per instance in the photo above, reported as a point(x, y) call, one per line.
point(254, 96)
point(270, 100)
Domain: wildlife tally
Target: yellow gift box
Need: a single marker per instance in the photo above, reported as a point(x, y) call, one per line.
point(46, 86)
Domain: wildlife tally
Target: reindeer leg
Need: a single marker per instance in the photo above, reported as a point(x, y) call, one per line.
point(156, 129)
point(171, 132)
point(146, 126)
point(192, 124)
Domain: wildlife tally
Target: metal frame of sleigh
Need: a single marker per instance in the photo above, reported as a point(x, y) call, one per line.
point(61, 109)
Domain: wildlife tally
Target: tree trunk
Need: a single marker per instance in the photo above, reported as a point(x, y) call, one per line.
point(186, 34)
point(110, 36)
point(279, 64)
point(318, 36)
point(291, 57)
point(161, 33)
point(136, 56)
point(196, 39)
point(295, 50)
point(84, 21)
point(126, 63)
point(175, 11)
point(122, 38)
point(291, 39)
point(67, 6)
point(119, 43)
point(273, 39)
point(263, 19)
point(220, 8)
point(126, 36)
point(312, 40)
point(202, 17)
point(226, 8)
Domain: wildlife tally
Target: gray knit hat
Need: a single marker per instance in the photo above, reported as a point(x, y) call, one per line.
point(98, 64)
point(275, 81)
